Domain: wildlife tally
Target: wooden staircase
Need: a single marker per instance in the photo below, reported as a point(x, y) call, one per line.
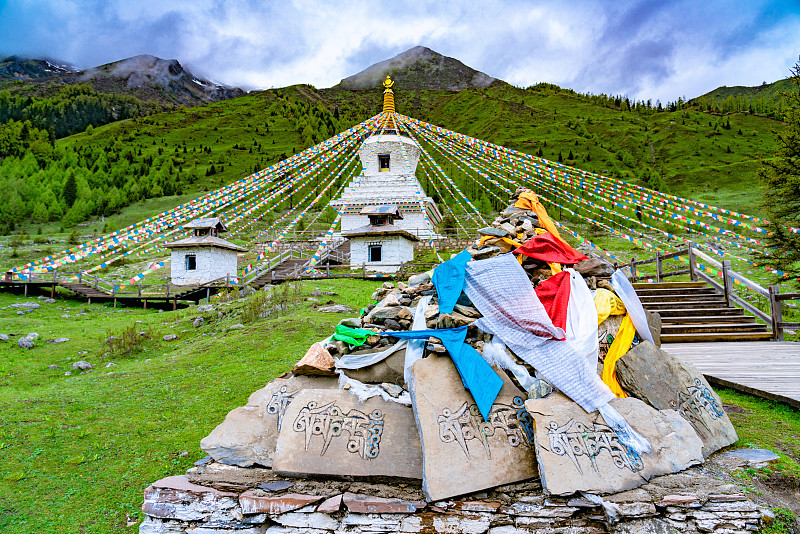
point(695, 312)
point(84, 290)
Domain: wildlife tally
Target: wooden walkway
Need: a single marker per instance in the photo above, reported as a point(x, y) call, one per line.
point(769, 369)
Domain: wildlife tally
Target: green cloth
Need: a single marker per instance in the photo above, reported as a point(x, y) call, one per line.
point(355, 337)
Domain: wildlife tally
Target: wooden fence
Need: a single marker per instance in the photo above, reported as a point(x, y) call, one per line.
point(725, 285)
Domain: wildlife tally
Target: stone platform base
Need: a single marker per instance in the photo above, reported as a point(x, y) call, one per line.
point(222, 499)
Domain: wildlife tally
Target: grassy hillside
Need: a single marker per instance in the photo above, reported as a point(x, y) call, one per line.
point(706, 156)
point(78, 450)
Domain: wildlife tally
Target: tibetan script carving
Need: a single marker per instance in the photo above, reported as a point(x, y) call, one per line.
point(467, 424)
point(329, 422)
point(576, 439)
point(694, 400)
point(279, 402)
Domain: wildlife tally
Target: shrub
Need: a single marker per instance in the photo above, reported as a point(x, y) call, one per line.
point(129, 340)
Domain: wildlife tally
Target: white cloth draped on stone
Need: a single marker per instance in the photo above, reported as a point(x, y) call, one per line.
point(502, 292)
point(582, 319)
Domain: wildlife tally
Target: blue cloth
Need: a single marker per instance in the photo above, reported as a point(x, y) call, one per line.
point(448, 278)
point(478, 376)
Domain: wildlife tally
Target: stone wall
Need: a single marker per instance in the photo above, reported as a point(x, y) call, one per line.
point(217, 499)
point(395, 250)
point(212, 263)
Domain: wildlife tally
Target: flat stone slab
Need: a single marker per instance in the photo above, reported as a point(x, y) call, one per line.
point(752, 457)
point(577, 451)
point(331, 432)
point(248, 434)
point(177, 498)
point(462, 453)
point(253, 503)
point(663, 381)
point(367, 504)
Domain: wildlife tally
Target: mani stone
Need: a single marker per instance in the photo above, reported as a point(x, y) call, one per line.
point(578, 451)
point(316, 362)
point(663, 381)
point(462, 453)
point(248, 434)
point(331, 432)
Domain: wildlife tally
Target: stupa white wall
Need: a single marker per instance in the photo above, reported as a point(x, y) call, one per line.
point(212, 263)
point(398, 185)
point(394, 251)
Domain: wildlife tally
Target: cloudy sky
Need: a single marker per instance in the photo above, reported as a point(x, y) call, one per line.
point(646, 49)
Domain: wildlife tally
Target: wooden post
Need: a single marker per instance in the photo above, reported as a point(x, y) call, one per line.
point(633, 268)
point(659, 268)
point(80, 277)
point(144, 304)
point(175, 304)
point(727, 280)
point(328, 270)
point(776, 313)
point(26, 289)
point(52, 291)
point(96, 282)
point(364, 270)
point(208, 295)
point(167, 289)
point(140, 289)
point(227, 280)
point(692, 262)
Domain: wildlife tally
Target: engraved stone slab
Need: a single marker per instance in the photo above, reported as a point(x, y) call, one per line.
point(580, 452)
point(462, 453)
point(663, 381)
point(331, 432)
point(248, 434)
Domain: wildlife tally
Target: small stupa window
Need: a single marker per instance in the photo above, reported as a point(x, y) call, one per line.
point(383, 162)
point(191, 262)
point(374, 253)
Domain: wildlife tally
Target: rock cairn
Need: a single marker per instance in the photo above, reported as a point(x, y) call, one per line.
point(344, 444)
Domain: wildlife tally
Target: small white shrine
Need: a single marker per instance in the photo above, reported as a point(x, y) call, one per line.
point(203, 257)
point(382, 245)
point(390, 162)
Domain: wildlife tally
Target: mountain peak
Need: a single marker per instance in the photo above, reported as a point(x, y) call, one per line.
point(420, 68)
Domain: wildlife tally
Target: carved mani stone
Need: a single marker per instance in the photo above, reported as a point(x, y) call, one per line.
point(462, 453)
point(248, 434)
point(578, 451)
point(331, 432)
point(663, 381)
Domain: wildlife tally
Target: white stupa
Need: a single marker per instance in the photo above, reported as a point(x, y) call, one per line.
point(390, 162)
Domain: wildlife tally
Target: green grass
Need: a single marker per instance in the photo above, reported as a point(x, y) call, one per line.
point(78, 451)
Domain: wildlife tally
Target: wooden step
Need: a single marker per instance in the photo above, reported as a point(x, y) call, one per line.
point(681, 298)
point(716, 336)
point(667, 285)
point(711, 328)
point(684, 305)
point(695, 312)
point(688, 292)
point(707, 319)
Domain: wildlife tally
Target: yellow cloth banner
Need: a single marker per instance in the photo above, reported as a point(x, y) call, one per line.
point(529, 201)
point(618, 349)
point(607, 303)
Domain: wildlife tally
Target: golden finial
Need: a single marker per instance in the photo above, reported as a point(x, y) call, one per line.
point(388, 96)
point(388, 83)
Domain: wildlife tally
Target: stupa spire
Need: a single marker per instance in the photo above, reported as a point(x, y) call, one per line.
point(388, 105)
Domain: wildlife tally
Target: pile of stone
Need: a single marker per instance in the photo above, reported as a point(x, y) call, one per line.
point(337, 447)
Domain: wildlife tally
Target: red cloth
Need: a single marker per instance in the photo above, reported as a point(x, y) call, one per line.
point(554, 295)
point(546, 247)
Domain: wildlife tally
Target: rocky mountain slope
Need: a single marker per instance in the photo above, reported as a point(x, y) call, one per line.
point(146, 77)
point(420, 68)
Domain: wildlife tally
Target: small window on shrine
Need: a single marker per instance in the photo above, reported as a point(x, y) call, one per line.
point(374, 253)
point(383, 162)
point(191, 262)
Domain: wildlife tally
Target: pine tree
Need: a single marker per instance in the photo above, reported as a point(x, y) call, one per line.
point(70, 190)
point(782, 177)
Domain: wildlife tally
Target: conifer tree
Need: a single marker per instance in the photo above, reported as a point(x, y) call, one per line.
point(782, 178)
